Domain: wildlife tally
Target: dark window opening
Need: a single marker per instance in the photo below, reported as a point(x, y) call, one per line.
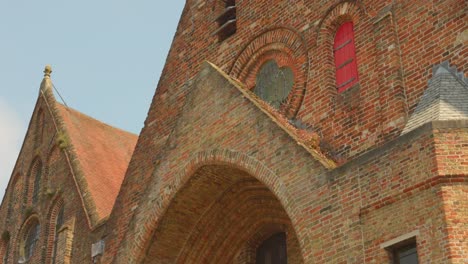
point(273, 250)
point(58, 226)
point(407, 254)
point(30, 242)
point(273, 84)
point(344, 52)
point(227, 20)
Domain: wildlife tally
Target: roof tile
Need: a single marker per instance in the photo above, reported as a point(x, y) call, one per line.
point(103, 152)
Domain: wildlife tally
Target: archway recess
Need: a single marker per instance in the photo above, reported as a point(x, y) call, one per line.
point(221, 215)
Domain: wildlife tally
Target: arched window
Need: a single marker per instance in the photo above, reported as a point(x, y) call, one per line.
point(273, 83)
point(36, 173)
point(30, 240)
point(345, 57)
point(58, 226)
point(273, 250)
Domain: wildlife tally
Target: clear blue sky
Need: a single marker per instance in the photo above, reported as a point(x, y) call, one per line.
point(106, 58)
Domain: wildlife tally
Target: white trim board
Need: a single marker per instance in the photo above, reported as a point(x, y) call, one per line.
point(399, 239)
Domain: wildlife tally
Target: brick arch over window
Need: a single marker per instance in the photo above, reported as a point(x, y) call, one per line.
point(56, 221)
point(343, 12)
point(19, 245)
point(160, 197)
point(34, 180)
point(288, 49)
point(336, 15)
point(222, 207)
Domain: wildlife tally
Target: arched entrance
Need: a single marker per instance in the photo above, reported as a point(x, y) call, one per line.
point(221, 215)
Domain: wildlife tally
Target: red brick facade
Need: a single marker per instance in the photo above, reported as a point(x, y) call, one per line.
point(216, 171)
point(51, 169)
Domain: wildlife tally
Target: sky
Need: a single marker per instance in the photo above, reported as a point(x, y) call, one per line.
point(106, 58)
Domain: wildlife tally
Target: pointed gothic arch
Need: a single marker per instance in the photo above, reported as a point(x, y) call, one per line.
point(33, 182)
point(163, 200)
point(214, 215)
point(55, 245)
point(341, 13)
point(28, 240)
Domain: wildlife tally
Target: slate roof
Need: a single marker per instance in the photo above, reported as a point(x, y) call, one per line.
point(103, 153)
point(446, 98)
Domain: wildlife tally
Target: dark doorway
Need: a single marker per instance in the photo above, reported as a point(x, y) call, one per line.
point(273, 250)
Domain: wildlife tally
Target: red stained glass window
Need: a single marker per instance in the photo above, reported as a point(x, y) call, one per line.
point(345, 57)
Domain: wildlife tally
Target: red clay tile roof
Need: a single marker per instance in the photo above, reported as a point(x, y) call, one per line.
point(103, 153)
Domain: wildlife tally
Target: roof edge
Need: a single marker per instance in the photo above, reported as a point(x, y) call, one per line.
point(89, 207)
point(310, 145)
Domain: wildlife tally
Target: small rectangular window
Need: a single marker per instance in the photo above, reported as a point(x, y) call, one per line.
point(226, 20)
point(402, 249)
point(407, 254)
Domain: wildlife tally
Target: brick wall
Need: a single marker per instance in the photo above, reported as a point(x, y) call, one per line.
point(341, 215)
point(57, 188)
point(397, 43)
point(210, 167)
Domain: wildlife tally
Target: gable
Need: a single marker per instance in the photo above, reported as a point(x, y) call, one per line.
point(102, 154)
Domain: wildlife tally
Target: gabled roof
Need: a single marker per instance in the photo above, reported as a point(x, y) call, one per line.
point(99, 154)
point(446, 98)
point(103, 153)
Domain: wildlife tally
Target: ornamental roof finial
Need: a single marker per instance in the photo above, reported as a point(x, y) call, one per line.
point(47, 70)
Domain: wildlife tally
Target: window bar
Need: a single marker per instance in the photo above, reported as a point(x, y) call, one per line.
point(346, 83)
point(344, 63)
point(343, 45)
point(226, 10)
point(225, 25)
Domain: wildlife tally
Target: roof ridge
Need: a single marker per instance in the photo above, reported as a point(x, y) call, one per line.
point(47, 94)
point(445, 98)
point(445, 67)
point(85, 166)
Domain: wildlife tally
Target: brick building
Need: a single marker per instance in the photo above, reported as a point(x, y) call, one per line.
point(280, 132)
